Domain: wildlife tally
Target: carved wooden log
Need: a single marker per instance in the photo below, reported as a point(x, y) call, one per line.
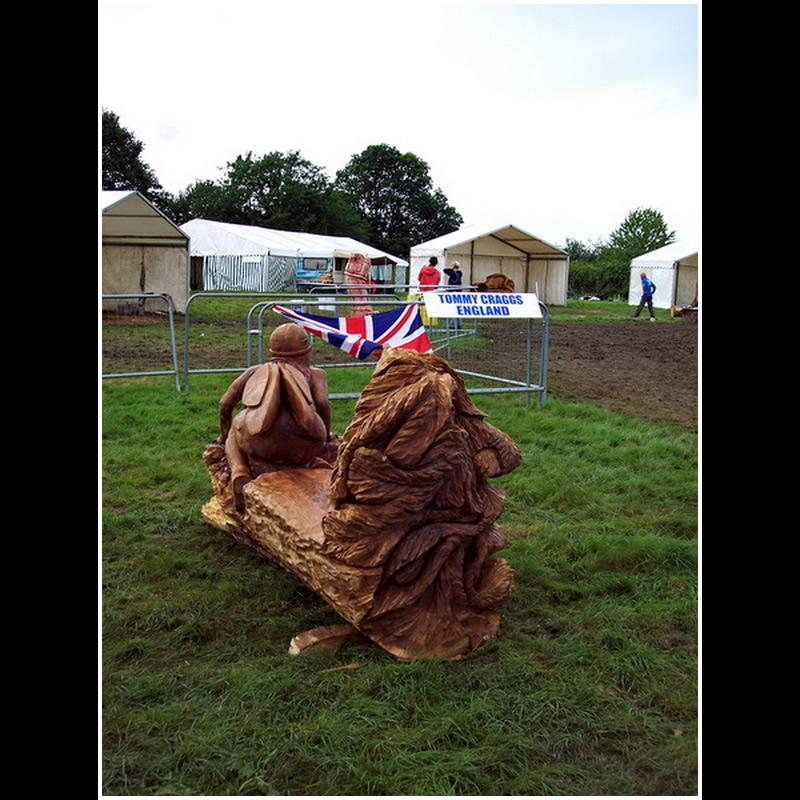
point(398, 538)
point(357, 271)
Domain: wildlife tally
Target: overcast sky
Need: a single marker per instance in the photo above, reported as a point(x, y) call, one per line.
point(559, 119)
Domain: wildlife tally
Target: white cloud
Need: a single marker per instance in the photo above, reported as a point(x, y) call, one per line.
point(560, 119)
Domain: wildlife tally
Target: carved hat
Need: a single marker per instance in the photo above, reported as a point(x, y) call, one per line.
point(289, 341)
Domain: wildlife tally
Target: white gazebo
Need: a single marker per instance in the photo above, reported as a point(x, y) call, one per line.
point(675, 270)
point(143, 251)
point(532, 263)
point(248, 257)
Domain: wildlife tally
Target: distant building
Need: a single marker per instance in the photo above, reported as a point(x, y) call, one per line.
point(143, 252)
point(675, 271)
point(533, 264)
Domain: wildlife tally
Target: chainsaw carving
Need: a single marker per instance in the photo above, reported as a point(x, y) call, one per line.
point(410, 497)
point(286, 416)
point(496, 282)
point(356, 271)
point(399, 537)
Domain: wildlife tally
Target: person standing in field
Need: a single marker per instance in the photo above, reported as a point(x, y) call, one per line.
point(648, 290)
point(454, 274)
point(429, 275)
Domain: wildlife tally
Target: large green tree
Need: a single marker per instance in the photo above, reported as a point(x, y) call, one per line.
point(643, 230)
point(579, 251)
point(276, 190)
point(395, 195)
point(122, 165)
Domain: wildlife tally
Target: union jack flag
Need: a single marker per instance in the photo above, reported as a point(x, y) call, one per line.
point(363, 336)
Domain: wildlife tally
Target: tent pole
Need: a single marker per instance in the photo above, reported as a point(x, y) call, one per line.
point(472, 261)
point(675, 266)
point(546, 275)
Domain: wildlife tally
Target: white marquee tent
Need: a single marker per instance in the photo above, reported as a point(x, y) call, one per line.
point(533, 264)
point(263, 259)
point(675, 271)
point(142, 250)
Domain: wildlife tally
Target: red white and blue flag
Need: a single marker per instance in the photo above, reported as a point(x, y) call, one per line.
point(363, 336)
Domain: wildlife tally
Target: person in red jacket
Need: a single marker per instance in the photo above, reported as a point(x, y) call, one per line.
point(429, 276)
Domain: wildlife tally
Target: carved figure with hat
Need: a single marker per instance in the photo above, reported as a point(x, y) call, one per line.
point(286, 414)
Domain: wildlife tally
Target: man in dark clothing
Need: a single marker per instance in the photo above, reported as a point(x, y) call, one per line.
point(453, 273)
point(648, 290)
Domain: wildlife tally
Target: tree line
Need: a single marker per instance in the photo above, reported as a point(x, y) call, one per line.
point(602, 268)
point(381, 197)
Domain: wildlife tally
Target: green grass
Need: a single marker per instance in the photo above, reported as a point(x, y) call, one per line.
point(591, 688)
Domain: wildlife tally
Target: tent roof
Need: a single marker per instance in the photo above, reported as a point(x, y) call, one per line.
point(508, 235)
point(209, 237)
point(667, 256)
point(130, 218)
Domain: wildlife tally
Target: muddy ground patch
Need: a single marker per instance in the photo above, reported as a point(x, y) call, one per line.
point(645, 369)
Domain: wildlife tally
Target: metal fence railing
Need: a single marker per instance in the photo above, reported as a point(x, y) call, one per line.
point(216, 359)
point(134, 336)
point(226, 332)
point(492, 356)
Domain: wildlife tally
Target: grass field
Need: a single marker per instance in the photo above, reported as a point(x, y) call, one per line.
point(590, 689)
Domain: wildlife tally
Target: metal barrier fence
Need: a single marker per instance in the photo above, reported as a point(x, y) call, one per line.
point(492, 356)
point(223, 328)
point(225, 342)
point(147, 345)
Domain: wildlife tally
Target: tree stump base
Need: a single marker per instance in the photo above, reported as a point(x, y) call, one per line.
point(282, 520)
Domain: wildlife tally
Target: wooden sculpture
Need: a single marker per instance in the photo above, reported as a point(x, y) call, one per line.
point(286, 416)
point(496, 282)
point(398, 537)
point(356, 272)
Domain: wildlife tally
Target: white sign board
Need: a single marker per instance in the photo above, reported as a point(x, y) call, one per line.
point(481, 305)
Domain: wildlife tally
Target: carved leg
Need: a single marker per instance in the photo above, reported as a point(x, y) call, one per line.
point(240, 469)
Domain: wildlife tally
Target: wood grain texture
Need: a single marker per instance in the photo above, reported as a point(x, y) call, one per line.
point(399, 538)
